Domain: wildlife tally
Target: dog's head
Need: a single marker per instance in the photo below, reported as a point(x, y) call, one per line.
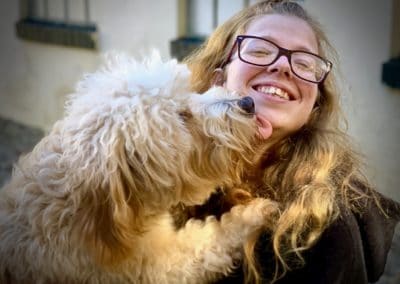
point(223, 127)
point(138, 141)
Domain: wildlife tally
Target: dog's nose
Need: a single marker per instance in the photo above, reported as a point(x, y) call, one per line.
point(247, 104)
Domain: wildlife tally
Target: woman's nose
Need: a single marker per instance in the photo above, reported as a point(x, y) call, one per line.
point(281, 65)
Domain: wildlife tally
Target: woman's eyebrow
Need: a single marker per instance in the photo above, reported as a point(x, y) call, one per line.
point(298, 47)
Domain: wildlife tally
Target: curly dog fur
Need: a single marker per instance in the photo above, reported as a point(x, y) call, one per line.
point(90, 203)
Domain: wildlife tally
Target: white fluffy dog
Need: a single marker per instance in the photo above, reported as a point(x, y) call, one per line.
point(90, 203)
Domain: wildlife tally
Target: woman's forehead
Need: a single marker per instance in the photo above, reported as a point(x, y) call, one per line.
point(285, 30)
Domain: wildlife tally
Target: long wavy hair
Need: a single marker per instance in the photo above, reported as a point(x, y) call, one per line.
point(311, 172)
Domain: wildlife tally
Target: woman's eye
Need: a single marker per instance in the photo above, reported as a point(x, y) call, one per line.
point(304, 65)
point(260, 52)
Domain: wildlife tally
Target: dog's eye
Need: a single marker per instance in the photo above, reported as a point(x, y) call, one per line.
point(185, 115)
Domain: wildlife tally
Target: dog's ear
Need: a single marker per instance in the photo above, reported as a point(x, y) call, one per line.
point(114, 218)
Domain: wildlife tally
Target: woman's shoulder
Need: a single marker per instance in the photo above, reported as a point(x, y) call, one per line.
point(352, 249)
point(368, 202)
point(372, 224)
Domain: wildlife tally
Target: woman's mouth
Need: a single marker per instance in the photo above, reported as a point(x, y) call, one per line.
point(273, 91)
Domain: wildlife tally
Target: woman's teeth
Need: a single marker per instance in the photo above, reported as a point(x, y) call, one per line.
point(273, 91)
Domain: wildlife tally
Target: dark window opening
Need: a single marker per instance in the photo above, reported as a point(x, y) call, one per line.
point(60, 22)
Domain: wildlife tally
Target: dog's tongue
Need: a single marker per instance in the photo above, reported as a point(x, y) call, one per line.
point(264, 127)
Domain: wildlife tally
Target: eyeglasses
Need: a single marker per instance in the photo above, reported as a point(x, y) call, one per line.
point(261, 52)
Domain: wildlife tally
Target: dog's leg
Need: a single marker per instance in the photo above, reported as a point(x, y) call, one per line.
point(204, 250)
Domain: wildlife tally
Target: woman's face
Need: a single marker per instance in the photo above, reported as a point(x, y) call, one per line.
point(283, 101)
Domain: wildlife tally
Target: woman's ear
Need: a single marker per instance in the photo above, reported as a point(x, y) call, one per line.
point(218, 77)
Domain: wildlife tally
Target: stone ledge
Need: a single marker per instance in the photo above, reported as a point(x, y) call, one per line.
point(74, 35)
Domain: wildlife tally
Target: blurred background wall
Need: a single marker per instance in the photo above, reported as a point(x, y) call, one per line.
point(36, 77)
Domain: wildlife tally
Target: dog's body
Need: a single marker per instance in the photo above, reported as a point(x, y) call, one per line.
point(90, 203)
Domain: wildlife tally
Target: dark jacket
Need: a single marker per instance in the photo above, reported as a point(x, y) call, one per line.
point(352, 250)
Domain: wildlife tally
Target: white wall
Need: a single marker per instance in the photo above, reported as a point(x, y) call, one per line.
point(201, 11)
point(361, 30)
point(36, 77)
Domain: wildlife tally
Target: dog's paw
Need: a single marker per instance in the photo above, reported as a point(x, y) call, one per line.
point(256, 214)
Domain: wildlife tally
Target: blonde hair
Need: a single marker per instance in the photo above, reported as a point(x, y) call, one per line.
point(311, 172)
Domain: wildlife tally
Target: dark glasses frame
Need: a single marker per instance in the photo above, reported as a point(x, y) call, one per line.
point(281, 51)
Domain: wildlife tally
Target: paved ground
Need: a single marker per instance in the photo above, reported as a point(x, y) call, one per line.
point(16, 139)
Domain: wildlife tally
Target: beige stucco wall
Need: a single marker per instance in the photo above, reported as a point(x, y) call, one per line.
point(36, 77)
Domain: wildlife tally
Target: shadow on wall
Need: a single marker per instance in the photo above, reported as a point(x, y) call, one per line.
point(15, 139)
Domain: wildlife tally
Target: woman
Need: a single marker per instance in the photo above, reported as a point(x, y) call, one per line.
point(333, 227)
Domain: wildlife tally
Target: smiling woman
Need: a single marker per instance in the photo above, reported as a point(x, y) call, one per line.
point(277, 54)
point(285, 113)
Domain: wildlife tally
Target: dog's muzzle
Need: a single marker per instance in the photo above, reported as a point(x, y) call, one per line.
point(247, 104)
